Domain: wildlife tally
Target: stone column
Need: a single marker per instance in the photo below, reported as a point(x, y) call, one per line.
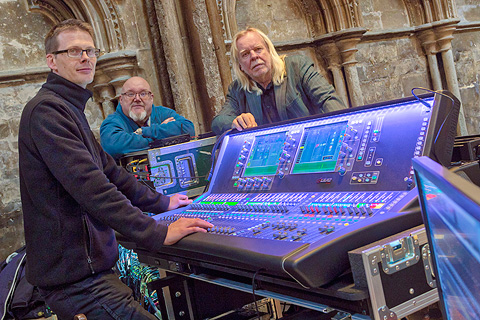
point(177, 61)
point(219, 43)
point(429, 44)
point(444, 38)
point(106, 93)
point(203, 46)
point(113, 69)
point(334, 61)
point(348, 48)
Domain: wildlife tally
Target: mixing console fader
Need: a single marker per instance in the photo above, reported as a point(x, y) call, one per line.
point(303, 217)
point(294, 198)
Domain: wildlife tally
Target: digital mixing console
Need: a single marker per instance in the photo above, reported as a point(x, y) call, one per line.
point(294, 198)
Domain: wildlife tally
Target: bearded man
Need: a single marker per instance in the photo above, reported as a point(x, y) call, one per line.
point(137, 121)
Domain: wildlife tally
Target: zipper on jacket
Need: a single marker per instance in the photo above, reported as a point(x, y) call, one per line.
point(87, 243)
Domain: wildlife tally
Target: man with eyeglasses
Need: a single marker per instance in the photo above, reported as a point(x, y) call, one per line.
point(137, 121)
point(74, 195)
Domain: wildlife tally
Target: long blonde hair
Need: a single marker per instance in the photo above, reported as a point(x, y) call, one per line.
point(278, 62)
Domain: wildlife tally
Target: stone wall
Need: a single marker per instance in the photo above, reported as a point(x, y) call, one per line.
point(20, 46)
point(390, 69)
point(372, 50)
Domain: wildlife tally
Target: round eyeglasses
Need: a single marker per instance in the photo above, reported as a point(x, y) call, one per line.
point(77, 52)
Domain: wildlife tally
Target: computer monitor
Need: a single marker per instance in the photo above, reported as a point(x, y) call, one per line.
point(451, 214)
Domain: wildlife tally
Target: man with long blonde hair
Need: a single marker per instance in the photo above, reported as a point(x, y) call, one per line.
point(270, 88)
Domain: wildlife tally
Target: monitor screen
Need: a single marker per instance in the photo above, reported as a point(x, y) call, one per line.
point(451, 213)
point(320, 148)
point(265, 155)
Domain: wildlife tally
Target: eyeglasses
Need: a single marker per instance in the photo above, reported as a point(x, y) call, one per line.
point(142, 95)
point(77, 52)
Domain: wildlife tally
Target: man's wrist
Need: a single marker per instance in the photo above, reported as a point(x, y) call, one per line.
point(138, 131)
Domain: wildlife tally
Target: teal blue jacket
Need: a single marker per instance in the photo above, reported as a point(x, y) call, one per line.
point(117, 130)
point(303, 92)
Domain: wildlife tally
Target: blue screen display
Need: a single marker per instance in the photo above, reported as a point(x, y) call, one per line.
point(455, 237)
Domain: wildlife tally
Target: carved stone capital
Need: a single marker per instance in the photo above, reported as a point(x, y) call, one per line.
point(445, 37)
point(348, 49)
point(428, 40)
point(112, 71)
point(444, 32)
point(347, 41)
point(331, 54)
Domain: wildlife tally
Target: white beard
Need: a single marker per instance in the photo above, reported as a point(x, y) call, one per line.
point(138, 117)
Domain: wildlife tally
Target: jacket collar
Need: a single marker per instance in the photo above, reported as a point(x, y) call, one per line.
point(68, 90)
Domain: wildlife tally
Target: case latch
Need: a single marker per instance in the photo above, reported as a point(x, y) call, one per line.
point(400, 254)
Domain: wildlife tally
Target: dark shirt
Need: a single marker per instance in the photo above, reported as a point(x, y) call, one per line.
point(269, 106)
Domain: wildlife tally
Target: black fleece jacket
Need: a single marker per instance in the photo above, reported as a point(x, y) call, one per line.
point(73, 194)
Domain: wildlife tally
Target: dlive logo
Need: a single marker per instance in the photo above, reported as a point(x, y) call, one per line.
point(324, 180)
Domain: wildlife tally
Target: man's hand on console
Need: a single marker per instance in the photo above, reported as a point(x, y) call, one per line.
point(178, 200)
point(183, 227)
point(244, 121)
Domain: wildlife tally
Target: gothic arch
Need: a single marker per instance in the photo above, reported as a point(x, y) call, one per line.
point(101, 14)
point(427, 11)
point(323, 16)
point(340, 14)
